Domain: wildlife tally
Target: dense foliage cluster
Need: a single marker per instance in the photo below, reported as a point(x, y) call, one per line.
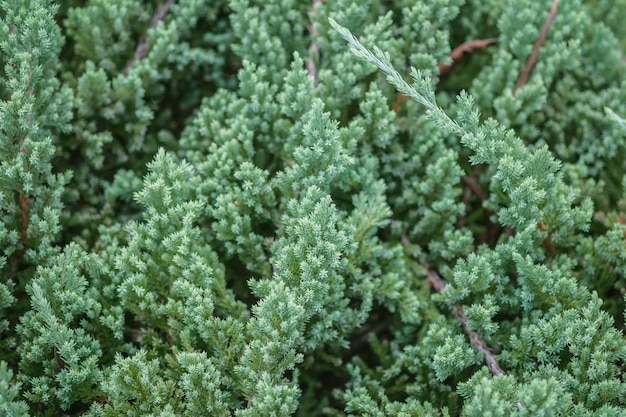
point(339, 207)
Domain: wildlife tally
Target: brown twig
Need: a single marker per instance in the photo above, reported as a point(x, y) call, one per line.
point(142, 49)
point(464, 48)
point(475, 339)
point(523, 76)
point(473, 185)
point(314, 48)
point(478, 342)
point(434, 278)
point(398, 102)
point(58, 359)
point(547, 242)
point(24, 216)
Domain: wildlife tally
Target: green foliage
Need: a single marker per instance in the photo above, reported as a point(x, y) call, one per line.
point(9, 392)
point(35, 106)
point(503, 396)
point(221, 208)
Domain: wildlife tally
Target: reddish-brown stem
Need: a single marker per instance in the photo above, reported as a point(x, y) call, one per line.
point(58, 359)
point(475, 339)
point(473, 185)
point(24, 213)
point(523, 76)
point(398, 102)
point(464, 48)
point(314, 47)
point(547, 242)
point(478, 342)
point(142, 49)
point(434, 278)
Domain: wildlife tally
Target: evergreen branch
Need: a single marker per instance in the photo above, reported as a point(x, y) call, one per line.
point(314, 48)
point(620, 122)
point(464, 48)
point(532, 60)
point(23, 198)
point(142, 49)
point(420, 91)
point(167, 303)
point(475, 339)
point(478, 342)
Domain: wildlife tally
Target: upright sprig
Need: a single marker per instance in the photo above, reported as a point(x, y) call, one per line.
point(35, 111)
point(421, 91)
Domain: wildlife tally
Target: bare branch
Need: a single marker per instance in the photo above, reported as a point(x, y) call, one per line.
point(464, 48)
point(473, 185)
point(478, 342)
point(475, 339)
point(434, 278)
point(142, 49)
point(24, 216)
point(314, 48)
point(398, 102)
point(523, 76)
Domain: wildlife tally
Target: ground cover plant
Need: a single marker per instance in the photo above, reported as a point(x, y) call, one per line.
point(324, 208)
